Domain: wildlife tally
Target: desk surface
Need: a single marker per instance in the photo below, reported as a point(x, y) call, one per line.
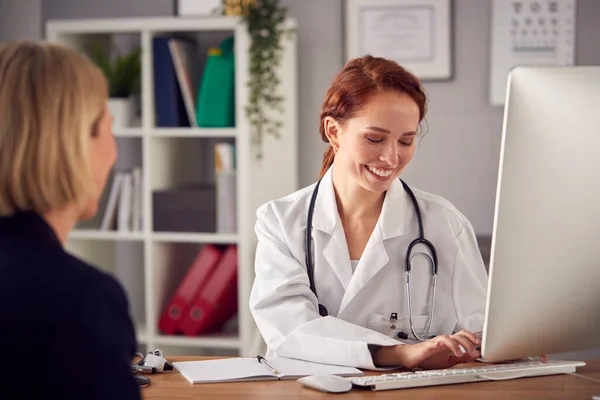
point(173, 386)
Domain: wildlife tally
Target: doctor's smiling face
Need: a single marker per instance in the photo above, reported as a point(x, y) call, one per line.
point(370, 117)
point(375, 145)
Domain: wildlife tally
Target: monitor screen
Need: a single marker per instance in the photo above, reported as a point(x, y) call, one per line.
point(544, 274)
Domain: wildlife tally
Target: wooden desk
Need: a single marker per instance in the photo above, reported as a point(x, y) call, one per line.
point(173, 386)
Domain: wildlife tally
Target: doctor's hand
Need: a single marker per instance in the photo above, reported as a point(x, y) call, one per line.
point(440, 352)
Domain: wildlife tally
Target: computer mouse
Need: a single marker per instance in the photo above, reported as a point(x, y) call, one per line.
point(326, 383)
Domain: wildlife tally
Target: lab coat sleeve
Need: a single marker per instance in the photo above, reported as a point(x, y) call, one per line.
point(469, 282)
point(285, 309)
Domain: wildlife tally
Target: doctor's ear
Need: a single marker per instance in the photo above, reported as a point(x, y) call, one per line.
point(333, 131)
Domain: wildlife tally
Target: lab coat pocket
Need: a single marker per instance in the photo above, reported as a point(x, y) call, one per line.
point(384, 324)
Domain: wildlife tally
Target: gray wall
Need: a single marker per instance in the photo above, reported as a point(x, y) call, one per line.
point(458, 158)
point(127, 254)
point(69, 9)
point(25, 19)
point(320, 56)
point(20, 19)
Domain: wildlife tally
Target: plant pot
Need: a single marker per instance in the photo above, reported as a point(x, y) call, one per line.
point(122, 110)
point(237, 7)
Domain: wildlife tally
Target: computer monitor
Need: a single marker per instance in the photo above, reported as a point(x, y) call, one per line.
point(544, 274)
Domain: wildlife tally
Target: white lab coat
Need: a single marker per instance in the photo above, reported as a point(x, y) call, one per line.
point(360, 303)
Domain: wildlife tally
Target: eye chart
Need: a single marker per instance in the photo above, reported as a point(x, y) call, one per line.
point(529, 32)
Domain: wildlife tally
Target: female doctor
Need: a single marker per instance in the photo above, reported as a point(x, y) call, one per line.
point(346, 300)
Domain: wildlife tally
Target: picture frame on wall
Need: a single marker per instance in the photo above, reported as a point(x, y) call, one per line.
point(414, 33)
point(189, 8)
point(529, 32)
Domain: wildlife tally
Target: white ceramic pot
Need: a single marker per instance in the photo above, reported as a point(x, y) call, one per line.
point(122, 110)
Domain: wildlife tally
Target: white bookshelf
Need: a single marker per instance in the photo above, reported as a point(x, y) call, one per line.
point(149, 263)
point(216, 133)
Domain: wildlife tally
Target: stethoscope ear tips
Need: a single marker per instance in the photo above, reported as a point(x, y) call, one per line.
point(402, 335)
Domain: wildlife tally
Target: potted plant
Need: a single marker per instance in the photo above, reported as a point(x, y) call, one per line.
point(265, 20)
point(122, 71)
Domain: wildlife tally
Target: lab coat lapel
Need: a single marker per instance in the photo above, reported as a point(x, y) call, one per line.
point(327, 220)
point(375, 256)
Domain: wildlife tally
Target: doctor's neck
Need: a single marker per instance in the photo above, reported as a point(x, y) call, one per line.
point(354, 201)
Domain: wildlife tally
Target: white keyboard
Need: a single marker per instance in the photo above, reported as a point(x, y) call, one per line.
point(488, 372)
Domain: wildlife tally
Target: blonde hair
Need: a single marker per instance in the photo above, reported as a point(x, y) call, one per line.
point(51, 99)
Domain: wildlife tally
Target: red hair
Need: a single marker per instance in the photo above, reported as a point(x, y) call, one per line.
point(352, 87)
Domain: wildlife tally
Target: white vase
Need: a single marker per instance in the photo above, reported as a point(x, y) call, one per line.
point(122, 110)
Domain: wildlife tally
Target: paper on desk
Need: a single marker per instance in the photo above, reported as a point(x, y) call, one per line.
point(291, 368)
point(249, 369)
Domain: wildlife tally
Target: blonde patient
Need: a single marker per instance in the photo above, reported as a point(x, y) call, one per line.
point(56, 152)
point(56, 146)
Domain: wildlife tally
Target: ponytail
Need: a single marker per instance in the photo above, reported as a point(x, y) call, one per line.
point(327, 161)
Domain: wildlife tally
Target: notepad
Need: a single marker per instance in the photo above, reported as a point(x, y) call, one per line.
point(243, 369)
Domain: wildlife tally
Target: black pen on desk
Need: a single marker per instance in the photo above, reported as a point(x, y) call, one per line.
point(263, 360)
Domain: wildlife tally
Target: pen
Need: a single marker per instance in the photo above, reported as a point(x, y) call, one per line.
point(263, 360)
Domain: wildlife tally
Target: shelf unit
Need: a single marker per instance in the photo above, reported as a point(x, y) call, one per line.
point(149, 263)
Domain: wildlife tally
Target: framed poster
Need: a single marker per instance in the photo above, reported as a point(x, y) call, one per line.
point(197, 7)
point(529, 32)
point(414, 33)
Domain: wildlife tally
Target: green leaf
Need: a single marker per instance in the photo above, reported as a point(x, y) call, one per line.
point(122, 71)
point(264, 19)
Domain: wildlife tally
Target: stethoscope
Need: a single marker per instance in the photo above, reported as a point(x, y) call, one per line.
point(323, 311)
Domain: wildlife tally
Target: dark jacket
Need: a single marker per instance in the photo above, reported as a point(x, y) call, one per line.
point(65, 328)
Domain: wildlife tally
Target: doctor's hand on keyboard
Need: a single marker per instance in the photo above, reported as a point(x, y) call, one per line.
point(442, 351)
